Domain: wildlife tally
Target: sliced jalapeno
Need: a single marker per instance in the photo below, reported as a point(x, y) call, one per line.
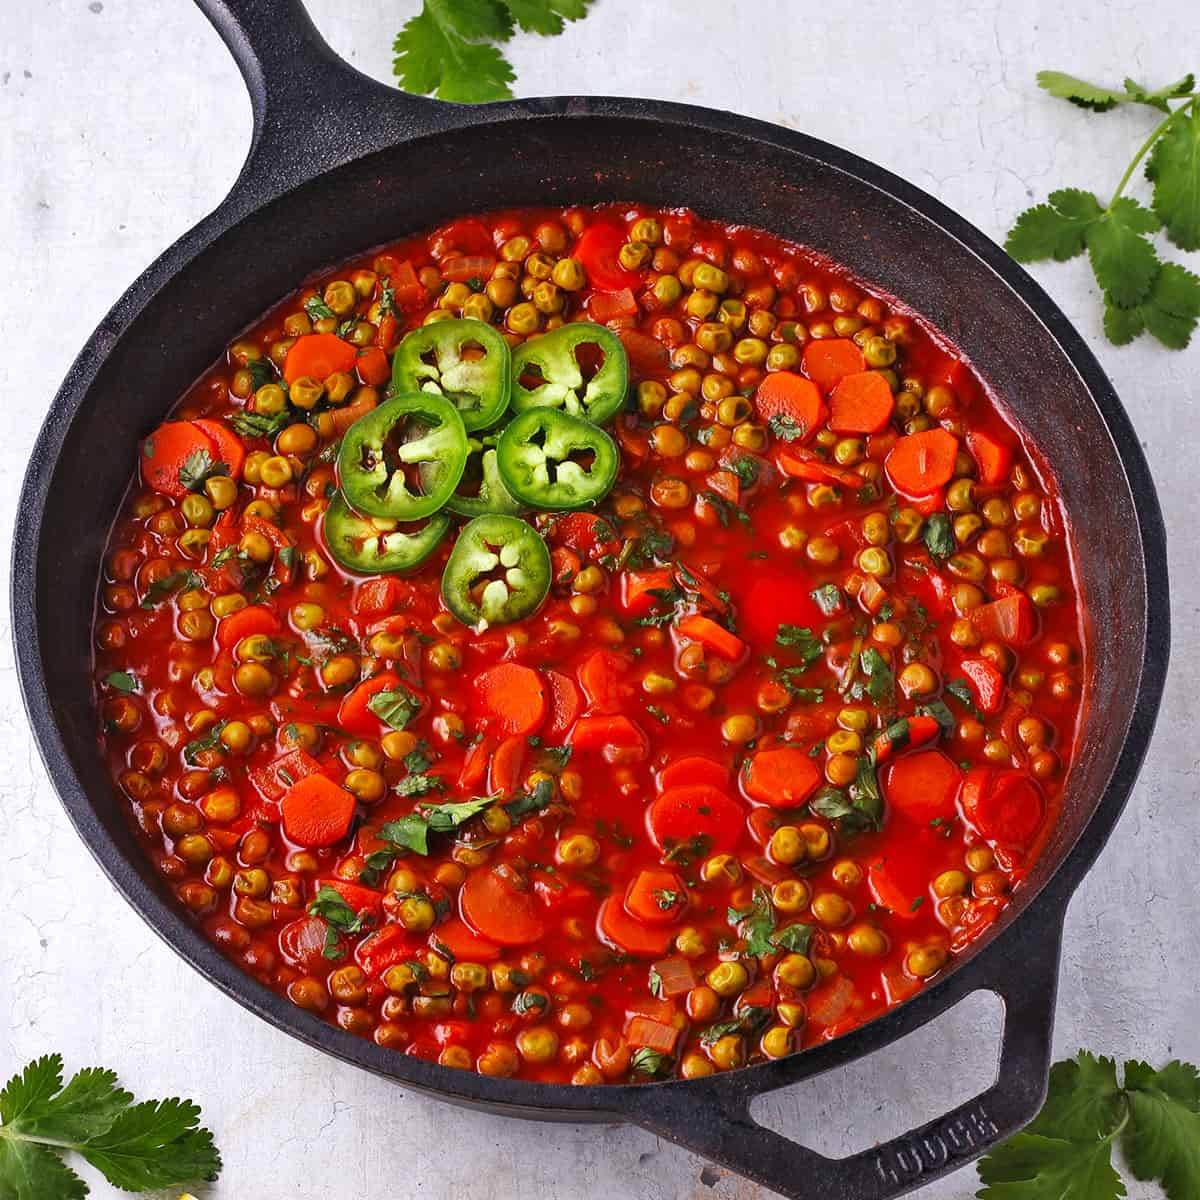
point(382, 452)
point(377, 545)
point(550, 460)
point(547, 372)
point(498, 571)
point(466, 361)
point(480, 490)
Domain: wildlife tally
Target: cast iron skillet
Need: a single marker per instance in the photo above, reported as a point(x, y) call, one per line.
point(339, 163)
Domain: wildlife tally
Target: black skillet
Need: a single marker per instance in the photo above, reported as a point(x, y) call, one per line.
point(340, 163)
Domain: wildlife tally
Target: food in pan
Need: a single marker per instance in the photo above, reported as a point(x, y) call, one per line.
point(591, 645)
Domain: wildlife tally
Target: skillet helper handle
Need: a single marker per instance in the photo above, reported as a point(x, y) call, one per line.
point(312, 110)
point(721, 1128)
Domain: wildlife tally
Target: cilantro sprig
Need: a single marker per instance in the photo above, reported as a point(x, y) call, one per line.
point(1067, 1151)
point(135, 1146)
point(1142, 294)
point(451, 47)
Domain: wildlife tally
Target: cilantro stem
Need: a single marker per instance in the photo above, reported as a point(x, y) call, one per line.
point(1148, 144)
point(38, 1141)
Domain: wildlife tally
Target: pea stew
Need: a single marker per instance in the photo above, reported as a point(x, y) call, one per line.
point(591, 645)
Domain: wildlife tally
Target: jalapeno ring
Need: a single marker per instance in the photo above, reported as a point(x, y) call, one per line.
point(376, 546)
point(378, 448)
point(550, 460)
point(498, 571)
point(481, 489)
point(554, 358)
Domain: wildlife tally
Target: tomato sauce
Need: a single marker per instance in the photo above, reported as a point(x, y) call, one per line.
point(780, 744)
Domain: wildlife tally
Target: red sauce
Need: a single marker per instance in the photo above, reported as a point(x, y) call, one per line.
point(591, 932)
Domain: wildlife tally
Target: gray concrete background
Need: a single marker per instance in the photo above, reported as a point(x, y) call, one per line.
point(123, 121)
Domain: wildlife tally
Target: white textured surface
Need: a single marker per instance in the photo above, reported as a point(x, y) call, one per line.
point(123, 121)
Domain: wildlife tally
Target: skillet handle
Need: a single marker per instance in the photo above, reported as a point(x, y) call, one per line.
point(312, 110)
point(717, 1124)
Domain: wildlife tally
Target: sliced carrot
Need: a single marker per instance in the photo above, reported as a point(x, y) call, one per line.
point(647, 355)
point(564, 705)
point(598, 250)
point(167, 450)
point(254, 619)
point(675, 975)
point(361, 899)
point(923, 786)
point(783, 778)
point(318, 355)
point(694, 769)
point(463, 942)
point(387, 334)
point(897, 887)
point(656, 896)
point(406, 287)
point(986, 682)
point(1010, 619)
point(498, 904)
point(354, 715)
point(273, 780)
point(230, 450)
point(725, 484)
point(786, 394)
point(657, 1035)
point(638, 590)
point(827, 360)
point(512, 696)
point(345, 416)
point(716, 637)
point(602, 677)
point(507, 764)
point(615, 737)
point(993, 458)
point(1005, 806)
point(920, 463)
point(683, 813)
point(811, 469)
point(913, 732)
point(316, 811)
point(861, 403)
point(619, 929)
point(373, 367)
point(302, 943)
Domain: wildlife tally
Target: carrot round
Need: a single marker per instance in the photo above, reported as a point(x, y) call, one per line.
point(986, 682)
point(318, 355)
point(923, 786)
point(254, 619)
point(920, 463)
point(316, 811)
point(897, 885)
point(786, 394)
point(828, 360)
point(512, 696)
point(601, 676)
point(354, 715)
point(682, 813)
point(564, 705)
point(608, 734)
point(497, 903)
point(914, 732)
point(638, 589)
point(1005, 806)
point(388, 947)
point(656, 896)
point(783, 778)
point(716, 637)
point(861, 403)
point(507, 762)
point(230, 450)
point(463, 942)
point(373, 367)
point(619, 929)
point(694, 769)
point(992, 457)
point(167, 450)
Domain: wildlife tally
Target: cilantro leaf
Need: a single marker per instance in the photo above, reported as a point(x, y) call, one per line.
point(251, 424)
point(412, 832)
point(1054, 230)
point(1162, 1140)
point(938, 536)
point(418, 784)
point(1032, 1167)
point(1174, 169)
point(800, 639)
point(1169, 312)
point(1083, 1099)
point(1079, 91)
point(649, 1062)
point(1123, 261)
point(881, 682)
point(157, 1143)
point(197, 467)
point(545, 16)
point(396, 707)
point(445, 51)
point(122, 681)
point(1159, 97)
point(177, 581)
point(785, 427)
